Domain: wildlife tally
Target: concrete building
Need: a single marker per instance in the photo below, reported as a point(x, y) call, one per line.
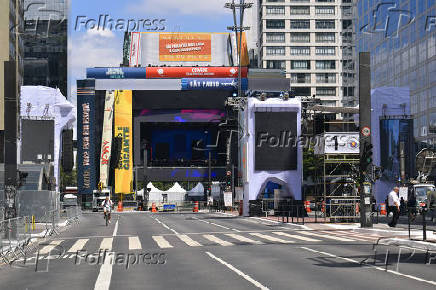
point(11, 48)
point(401, 37)
point(312, 40)
point(45, 43)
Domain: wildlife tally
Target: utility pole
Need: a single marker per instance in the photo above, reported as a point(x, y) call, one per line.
point(238, 28)
point(365, 182)
point(10, 116)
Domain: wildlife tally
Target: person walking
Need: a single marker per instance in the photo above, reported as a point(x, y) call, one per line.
point(394, 206)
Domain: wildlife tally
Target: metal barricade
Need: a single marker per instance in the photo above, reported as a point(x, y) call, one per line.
point(344, 209)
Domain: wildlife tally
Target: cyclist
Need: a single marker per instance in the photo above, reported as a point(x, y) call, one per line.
point(107, 207)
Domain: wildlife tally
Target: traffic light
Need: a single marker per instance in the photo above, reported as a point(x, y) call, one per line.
point(366, 159)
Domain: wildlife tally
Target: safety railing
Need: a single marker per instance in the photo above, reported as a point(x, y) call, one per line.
point(16, 234)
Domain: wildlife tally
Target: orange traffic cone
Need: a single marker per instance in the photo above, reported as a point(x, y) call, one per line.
point(383, 209)
point(153, 207)
point(120, 206)
point(195, 209)
point(307, 206)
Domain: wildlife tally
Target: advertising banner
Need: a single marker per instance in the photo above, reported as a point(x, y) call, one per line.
point(185, 47)
point(123, 129)
point(182, 49)
point(341, 143)
point(106, 138)
point(213, 84)
point(195, 72)
point(134, 49)
point(228, 198)
point(115, 73)
point(86, 175)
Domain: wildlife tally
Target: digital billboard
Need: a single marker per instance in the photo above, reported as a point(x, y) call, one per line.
point(275, 147)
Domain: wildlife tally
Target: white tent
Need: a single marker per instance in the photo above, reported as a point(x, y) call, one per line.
point(198, 190)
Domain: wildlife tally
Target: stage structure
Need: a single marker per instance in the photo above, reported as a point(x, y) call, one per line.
point(270, 148)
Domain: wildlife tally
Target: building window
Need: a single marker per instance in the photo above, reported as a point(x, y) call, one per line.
point(302, 91)
point(300, 10)
point(325, 64)
point(300, 24)
point(325, 37)
point(300, 50)
point(300, 78)
point(326, 91)
point(325, 24)
point(275, 50)
point(275, 37)
point(300, 37)
point(325, 50)
point(325, 10)
point(276, 64)
point(275, 0)
point(275, 24)
point(300, 64)
point(275, 10)
point(326, 78)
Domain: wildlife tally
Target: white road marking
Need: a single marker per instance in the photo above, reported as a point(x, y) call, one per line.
point(190, 242)
point(165, 226)
point(217, 240)
point(161, 242)
point(343, 235)
point(134, 243)
point(104, 277)
point(270, 238)
point(106, 244)
point(307, 239)
point(310, 233)
point(47, 249)
point(371, 266)
point(211, 223)
point(78, 245)
point(244, 239)
point(239, 272)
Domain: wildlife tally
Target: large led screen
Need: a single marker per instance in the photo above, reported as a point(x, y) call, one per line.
point(275, 138)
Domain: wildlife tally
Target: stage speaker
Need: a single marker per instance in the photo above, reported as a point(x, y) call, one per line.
point(67, 150)
point(162, 151)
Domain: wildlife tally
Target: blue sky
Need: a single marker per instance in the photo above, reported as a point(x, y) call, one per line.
point(104, 48)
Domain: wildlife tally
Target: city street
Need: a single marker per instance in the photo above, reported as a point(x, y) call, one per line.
point(214, 251)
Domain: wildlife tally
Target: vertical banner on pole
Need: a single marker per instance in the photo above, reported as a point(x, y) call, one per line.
point(123, 129)
point(86, 167)
point(106, 139)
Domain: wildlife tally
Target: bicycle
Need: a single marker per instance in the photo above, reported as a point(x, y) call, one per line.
point(107, 216)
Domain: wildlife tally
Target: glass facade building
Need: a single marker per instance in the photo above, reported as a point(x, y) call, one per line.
point(401, 37)
point(45, 43)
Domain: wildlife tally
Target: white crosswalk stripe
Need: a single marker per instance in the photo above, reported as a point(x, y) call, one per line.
point(78, 245)
point(134, 243)
point(328, 236)
point(307, 239)
point(106, 244)
point(272, 239)
point(161, 242)
point(217, 240)
point(190, 242)
point(244, 239)
point(47, 249)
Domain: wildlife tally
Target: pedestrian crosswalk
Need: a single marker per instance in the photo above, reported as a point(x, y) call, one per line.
point(224, 239)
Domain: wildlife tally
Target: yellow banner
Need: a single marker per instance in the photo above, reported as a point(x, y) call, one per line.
point(123, 129)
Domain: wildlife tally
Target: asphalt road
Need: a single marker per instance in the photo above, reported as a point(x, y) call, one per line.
point(213, 251)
